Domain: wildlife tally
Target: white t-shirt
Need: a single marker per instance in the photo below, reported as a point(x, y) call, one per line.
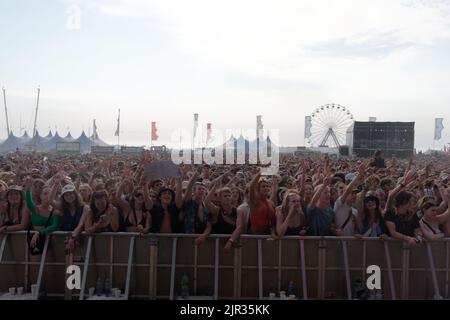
point(342, 211)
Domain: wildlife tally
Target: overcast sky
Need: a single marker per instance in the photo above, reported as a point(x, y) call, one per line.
point(228, 61)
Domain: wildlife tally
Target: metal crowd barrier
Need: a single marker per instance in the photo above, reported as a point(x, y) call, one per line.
point(151, 266)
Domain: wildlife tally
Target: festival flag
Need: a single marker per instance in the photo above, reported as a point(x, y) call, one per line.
point(308, 126)
point(438, 127)
point(154, 131)
point(94, 133)
point(208, 132)
point(259, 128)
point(195, 124)
point(118, 126)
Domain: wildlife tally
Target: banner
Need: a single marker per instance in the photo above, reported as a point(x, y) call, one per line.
point(118, 126)
point(438, 127)
point(154, 131)
point(195, 124)
point(94, 132)
point(69, 147)
point(131, 150)
point(208, 132)
point(259, 128)
point(102, 149)
point(308, 126)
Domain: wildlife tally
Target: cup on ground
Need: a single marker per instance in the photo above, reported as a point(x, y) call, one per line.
point(20, 291)
point(12, 291)
point(91, 292)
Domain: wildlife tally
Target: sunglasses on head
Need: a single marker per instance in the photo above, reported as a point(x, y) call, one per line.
point(428, 206)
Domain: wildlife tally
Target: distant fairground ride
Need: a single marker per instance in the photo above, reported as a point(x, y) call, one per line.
point(329, 121)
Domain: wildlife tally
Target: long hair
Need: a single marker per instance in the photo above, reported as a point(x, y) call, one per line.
point(98, 194)
point(21, 204)
point(285, 203)
point(132, 202)
point(378, 215)
point(65, 205)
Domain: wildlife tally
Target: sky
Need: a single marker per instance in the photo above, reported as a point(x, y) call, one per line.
point(228, 61)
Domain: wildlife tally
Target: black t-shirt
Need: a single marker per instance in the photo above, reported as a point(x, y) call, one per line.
point(403, 224)
point(222, 226)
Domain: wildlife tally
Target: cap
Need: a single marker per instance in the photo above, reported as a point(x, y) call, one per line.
point(15, 188)
point(164, 189)
point(350, 176)
point(68, 188)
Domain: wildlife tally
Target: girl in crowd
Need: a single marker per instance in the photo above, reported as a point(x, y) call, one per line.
point(101, 215)
point(43, 218)
point(262, 211)
point(369, 222)
point(237, 197)
point(86, 193)
point(431, 221)
point(14, 215)
point(71, 210)
point(136, 211)
point(36, 190)
point(290, 217)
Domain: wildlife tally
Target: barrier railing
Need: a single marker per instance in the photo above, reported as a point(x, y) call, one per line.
point(150, 266)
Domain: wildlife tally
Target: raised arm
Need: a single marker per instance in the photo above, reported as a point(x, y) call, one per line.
point(354, 183)
point(178, 193)
point(275, 185)
point(317, 194)
point(253, 196)
point(29, 197)
point(147, 199)
point(119, 197)
point(188, 195)
point(209, 204)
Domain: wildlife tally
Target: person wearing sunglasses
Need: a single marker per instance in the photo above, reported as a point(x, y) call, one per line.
point(369, 222)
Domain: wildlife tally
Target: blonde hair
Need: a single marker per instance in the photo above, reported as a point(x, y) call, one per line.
point(285, 204)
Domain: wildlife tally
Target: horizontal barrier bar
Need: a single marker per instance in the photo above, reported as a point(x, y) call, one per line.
point(221, 236)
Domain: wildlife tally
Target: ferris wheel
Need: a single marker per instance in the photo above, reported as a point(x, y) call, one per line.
point(329, 121)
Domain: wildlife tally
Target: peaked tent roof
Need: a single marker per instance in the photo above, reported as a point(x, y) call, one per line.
point(85, 142)
point(69, 137)
point(11, 143)
point(98, 142)
point(49, 135)
point(39, 142)
point(51, 143)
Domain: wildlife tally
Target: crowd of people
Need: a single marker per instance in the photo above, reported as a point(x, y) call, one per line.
point(310, 196)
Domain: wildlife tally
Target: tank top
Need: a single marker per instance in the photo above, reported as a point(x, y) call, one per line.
point(224, 227)
point(128, 223)
point(70, 222)
point(262, 219)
